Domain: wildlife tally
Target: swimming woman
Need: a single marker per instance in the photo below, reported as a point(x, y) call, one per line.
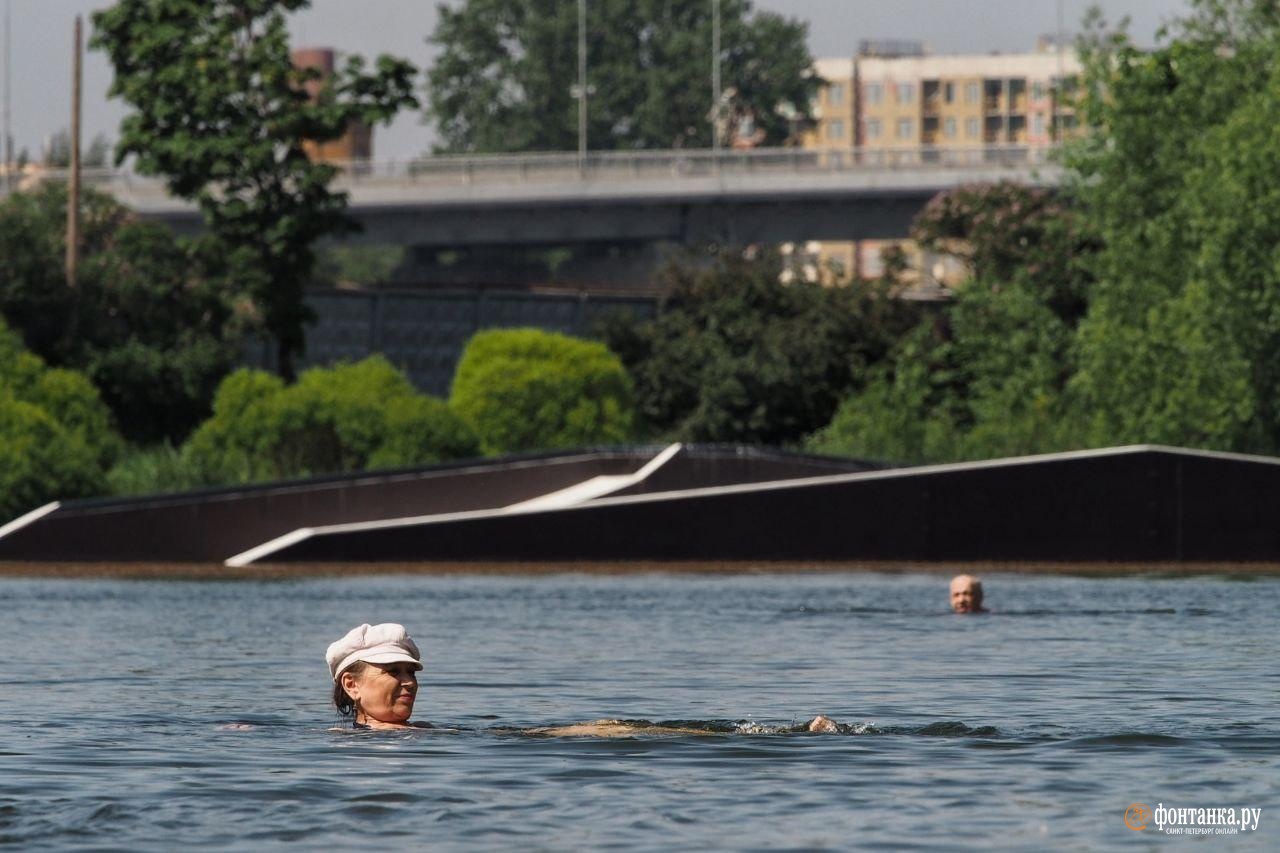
point(375, 681)
point(375, 676)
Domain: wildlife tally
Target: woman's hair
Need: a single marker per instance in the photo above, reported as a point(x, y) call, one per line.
point(345, 704)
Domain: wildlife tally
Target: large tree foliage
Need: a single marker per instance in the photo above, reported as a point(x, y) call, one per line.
point(149, 321)
point(503, 78)
point(737, 355)
point(1179, 178)
point(986, 374)
point(56, 436)
point(221, 113)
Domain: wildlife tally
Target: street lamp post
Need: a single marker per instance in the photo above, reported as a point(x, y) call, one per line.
point(8, 137)
point(582, 85)
point(715, 79)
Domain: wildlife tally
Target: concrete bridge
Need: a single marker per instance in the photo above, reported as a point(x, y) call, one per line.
point(684, 197)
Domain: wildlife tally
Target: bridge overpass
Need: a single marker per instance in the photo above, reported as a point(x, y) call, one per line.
point(684, 197)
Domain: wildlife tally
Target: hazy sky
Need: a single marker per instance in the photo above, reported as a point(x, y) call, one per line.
point(41, 45)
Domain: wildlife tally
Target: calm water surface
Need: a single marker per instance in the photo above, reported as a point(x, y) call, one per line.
point(1035, 726)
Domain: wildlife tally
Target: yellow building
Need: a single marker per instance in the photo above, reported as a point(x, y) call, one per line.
point(835, 124)
point(894, 103)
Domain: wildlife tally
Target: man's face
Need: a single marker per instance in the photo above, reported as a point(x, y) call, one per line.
point(966, 594)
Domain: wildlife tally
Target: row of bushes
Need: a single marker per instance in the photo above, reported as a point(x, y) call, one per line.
point(515, 390)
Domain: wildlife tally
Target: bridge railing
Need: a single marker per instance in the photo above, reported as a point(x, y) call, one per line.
point(624, 166)
point(692, 163)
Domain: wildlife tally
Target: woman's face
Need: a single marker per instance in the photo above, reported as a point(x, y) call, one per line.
point(384, 691)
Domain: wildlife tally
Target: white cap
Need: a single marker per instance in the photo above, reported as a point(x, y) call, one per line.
point(385, 643)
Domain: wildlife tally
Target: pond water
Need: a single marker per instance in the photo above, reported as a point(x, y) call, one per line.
point(1036, 725)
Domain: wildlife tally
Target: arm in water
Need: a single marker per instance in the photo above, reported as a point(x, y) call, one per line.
point(629, 728)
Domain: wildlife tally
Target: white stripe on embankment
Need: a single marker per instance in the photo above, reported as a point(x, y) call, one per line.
point(595, 487)
point(244, 558)
point(23, 520)
point(739, 488)
point(561, 498)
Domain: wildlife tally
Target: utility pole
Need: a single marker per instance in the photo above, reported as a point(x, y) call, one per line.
point(715, 79)
point(1054, 130)
point(73, 178)
point(582, 85)
point(8, 71)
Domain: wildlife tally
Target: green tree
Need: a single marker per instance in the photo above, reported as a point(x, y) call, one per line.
point(222, 114)
point(346, 418)
point(986, 375)
point(1006, 230)
point(57, 151)
point(737, 355)
point(98, 156)
point(502, 79)
point(525, 389)
point(904, 413)
point(149, 321)
point(56, 437)
point(1178, 177)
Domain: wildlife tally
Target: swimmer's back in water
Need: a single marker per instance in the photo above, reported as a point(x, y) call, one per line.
point(375, 682)
point(629, 728)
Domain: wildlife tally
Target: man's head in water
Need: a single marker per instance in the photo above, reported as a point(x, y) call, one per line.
point(966, 594)
point(375, 674)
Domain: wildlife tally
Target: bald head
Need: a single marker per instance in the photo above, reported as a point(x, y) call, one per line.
point(966, 594)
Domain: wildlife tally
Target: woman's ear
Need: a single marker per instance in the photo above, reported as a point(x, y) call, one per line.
point(350, 686)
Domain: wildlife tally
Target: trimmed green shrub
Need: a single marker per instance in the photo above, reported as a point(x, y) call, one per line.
point(346, 418)
point(150, 470)
point(72, 400)
point(56, 435)
point(232, 445)
point(525, 389)
point(39, 460)
point(423, 429)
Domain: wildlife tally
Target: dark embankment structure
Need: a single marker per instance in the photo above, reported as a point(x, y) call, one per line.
point(689, 504)
point(216, 524)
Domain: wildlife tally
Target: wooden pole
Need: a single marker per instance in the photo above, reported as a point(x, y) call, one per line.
point(8, 71)
point(716, 94)
point(73, 178)
point(582, 85)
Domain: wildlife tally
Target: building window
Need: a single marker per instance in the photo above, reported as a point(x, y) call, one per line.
point(1037, 90)
point(949, 128)
point(1037, 124)
point(971, 128)
point(906, 128)
point(835, 94)
point(872, 261)
point(873, 128)
point(972, 93)
point(835, 129)
point(906, 93)
point(949, 93)
point(874, 93)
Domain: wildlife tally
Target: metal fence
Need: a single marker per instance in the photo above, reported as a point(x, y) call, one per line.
point(423, 333)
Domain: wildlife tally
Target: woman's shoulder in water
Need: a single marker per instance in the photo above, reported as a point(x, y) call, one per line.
point(364, 727)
